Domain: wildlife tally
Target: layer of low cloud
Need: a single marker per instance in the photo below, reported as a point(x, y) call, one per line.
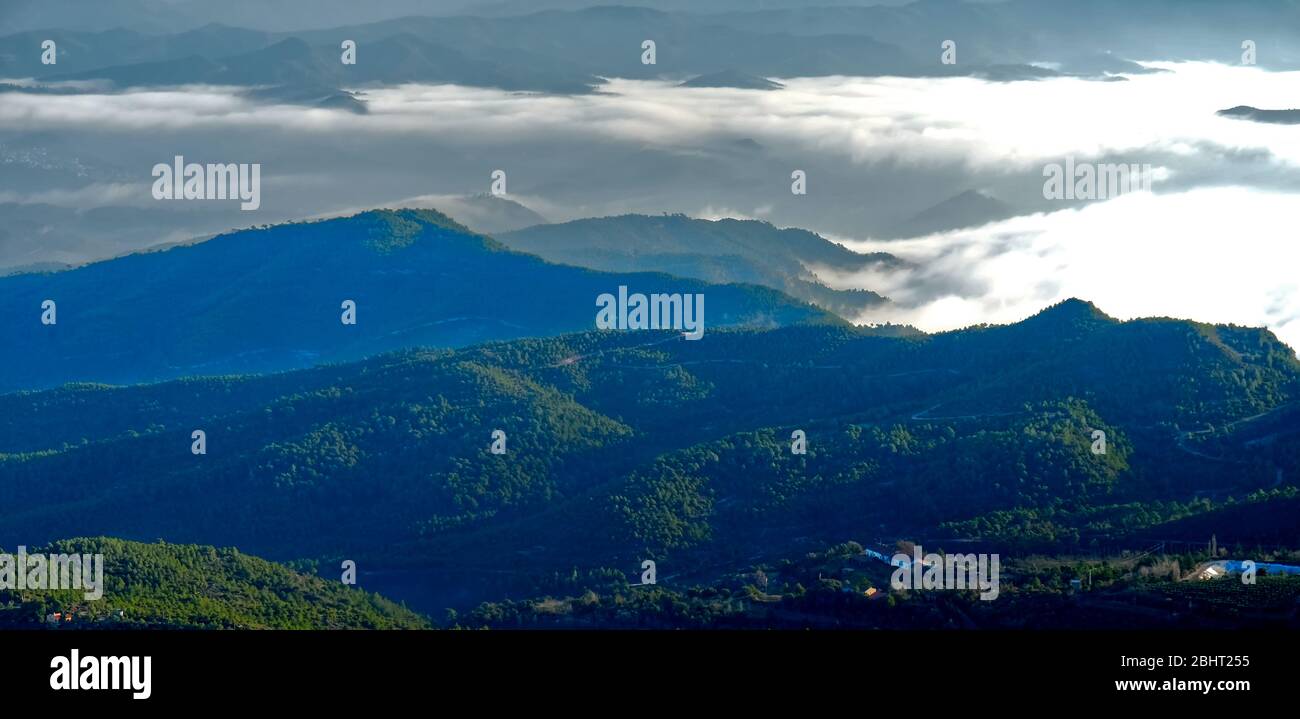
point(1225, 254)
point(1207, 245)
point(1000, 126)
point(89, 196)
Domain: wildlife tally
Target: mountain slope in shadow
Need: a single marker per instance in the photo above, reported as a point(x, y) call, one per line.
point(272, 299)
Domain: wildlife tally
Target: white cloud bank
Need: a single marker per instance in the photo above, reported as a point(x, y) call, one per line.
point(1001, 126)
point(1224, 255)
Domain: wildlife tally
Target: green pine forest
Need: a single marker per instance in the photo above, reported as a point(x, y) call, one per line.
point(623, 447)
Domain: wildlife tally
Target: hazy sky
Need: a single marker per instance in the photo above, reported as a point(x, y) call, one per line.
point(173, 15)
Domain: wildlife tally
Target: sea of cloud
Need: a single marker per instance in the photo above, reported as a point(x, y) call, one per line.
point(1215, 240)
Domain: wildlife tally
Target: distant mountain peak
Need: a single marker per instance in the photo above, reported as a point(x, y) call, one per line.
point(970, 208)
point(1277, 117)
point(734, 79)
point(1073, 309)
point(383, 230)
point(290, 46)
point(426, 216)
point(393, 229)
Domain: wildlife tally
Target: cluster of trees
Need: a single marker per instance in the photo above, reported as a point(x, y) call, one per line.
point(890, 478)
point(1262, 516)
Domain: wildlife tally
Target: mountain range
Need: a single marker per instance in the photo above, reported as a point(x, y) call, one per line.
point(621, 446)
point(727, 48)
point(1013, 32)
point(430, 396)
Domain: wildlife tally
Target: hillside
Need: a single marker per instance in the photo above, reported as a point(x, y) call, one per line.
point(635, 444)
point(198, 587)
point(716, 251)
point(269, 299)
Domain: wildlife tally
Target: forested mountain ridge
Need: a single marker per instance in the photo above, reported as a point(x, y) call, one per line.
point(725, 250)
point(271, 298)
point(632, 444)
